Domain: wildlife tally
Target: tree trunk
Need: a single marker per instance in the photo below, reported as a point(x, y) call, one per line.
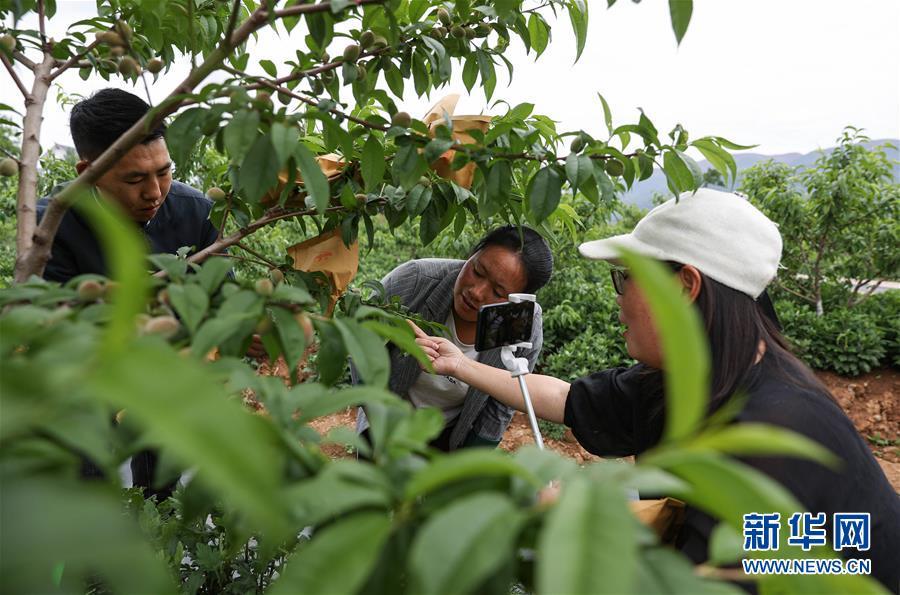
point(26, 196)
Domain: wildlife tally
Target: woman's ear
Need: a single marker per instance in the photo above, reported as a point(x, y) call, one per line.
point(692, 280)
point(81, 166)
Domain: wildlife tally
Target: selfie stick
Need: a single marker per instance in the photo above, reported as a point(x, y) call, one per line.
point(518, 368)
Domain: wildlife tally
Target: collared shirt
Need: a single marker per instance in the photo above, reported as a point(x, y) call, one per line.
point(182, 220)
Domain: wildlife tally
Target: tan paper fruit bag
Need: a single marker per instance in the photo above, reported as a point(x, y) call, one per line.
point(330, 164)
point(327, 253)
point(438, 115)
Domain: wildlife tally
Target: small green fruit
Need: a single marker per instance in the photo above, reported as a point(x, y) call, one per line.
point(458, 31)
point(614, 167)
point(264, 287)
point(162, 296)
point(577, 144)
point(128, 66)
point(425, 181)
point(164, 326)
point(90, 290)
point(380, 42)
point(263, 326)
point(9, 167)
point(442, 31)
point(110, 38)
point(444, 16)
point(276, 275)
point(124, 30)
point(155, 65)
point(351, 53)
point(401, 119)
point(216, 193)
point(366, 39)
point(482, 30)
point(470, 33)
point(8, 42)
point(361, 198)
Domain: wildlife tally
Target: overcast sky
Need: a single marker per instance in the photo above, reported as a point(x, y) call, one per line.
point(787, 75)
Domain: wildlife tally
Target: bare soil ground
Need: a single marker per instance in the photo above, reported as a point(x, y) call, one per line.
point(872, 402)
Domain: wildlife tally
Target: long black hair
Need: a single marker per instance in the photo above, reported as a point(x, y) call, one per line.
point(532, 249)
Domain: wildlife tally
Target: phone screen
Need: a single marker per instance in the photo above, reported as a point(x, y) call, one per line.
point(503, 324)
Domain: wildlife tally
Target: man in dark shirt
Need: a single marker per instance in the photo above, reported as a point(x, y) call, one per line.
point(170, 214)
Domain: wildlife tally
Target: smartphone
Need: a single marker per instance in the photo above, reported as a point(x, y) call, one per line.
point(501, 324)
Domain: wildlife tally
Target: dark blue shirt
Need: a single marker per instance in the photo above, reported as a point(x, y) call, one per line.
point(182, 220)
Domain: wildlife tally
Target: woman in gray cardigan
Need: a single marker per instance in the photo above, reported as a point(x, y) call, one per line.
point(507, 260)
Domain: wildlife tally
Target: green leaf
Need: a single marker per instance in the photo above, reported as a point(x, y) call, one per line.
point(338, 559)
point(684, 345)
point(664, 571)
point(332, 360)
point(578, 15)
point(679, 175)
point(269, 67)
point(544, 192)
point(125, 249)
point(462, 465)
point(217, 331)
point(259, 170)
point(470, 72)
point(437, 147)
point(680, 11)
point(372, 163)
point(284, 139)
point(403, 337)
point(293, 341)
point(539, 33)
point(201, 430)
point(46, 522)
point(607, 114)
point(367, 351)
point(183, 134)
point(213, 273)
point(718, 157)
point(417, 200)
point(748, 439)
point(498, 182)
point(449, 556)
point(190, 302)
point(240, 133)
point(314, 401)
point(724, 142)
point(578, 170)
point(407, 166)
point(588, 513)
point(314, 181)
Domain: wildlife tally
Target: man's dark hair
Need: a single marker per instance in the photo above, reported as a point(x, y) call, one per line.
point(532, 250)
point(99, 120)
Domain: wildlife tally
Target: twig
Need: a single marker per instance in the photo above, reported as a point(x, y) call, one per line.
point(236, 257)
point(74, 59)
point(313, 8)
point(232, 21)
point(15, 77)
point(40, 7)
point(257, 255)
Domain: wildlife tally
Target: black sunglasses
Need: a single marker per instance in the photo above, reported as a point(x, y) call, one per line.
point(619, 275)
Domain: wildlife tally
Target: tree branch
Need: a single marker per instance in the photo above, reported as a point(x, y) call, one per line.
point(15, 77)
point(24, 61)
point(74, 60)
point(34, 241)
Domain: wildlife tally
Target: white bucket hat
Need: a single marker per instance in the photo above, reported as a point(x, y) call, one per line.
point(719, 233)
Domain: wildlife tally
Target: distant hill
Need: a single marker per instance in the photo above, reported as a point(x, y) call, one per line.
point(641, 194)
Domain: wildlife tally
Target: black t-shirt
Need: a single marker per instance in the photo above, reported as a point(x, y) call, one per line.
point(617, 413)
point(182, 220)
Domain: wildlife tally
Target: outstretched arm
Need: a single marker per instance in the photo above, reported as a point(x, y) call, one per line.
point(548, 394)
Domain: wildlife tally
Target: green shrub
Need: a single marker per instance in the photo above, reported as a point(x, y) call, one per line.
point(849, 342)
point(883, 309)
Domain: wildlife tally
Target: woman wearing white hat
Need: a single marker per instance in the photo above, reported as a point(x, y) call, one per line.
point(724, 252)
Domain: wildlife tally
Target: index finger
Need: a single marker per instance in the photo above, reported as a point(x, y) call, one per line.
point(420, 334)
